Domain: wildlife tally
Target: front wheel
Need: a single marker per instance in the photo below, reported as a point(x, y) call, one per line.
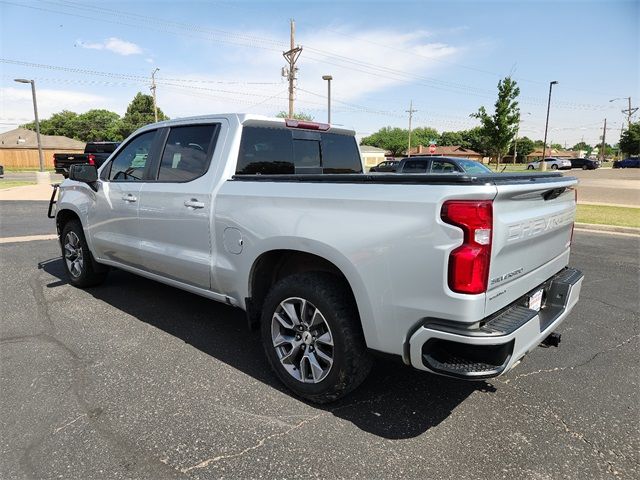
point(78, 261)
point(530, 167)
point(554, 167)
point(312, 337)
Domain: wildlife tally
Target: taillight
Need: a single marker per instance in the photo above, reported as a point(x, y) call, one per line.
point(91, 159)
point(469, 263)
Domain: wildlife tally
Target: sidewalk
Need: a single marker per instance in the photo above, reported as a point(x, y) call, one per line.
point(38, 192)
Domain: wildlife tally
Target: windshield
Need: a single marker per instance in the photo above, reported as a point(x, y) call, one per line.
point(470, 166)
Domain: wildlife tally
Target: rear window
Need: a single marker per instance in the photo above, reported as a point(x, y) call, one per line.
point(273, 151)
point(100, 147)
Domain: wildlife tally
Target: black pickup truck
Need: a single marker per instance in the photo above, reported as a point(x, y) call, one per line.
point(95, 153)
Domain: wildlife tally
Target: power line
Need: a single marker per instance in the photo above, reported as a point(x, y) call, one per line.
point(371, 69)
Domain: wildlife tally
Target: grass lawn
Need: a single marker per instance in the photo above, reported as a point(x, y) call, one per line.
point(606, 215)
point(14, 183)
point(518, 167)
point(27, 169)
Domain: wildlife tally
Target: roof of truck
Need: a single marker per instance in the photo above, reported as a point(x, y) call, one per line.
point(243, 118)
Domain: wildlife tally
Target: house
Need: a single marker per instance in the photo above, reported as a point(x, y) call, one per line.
point(19, 148)
point(551, 152)
point(371, 156)
point(447, 151)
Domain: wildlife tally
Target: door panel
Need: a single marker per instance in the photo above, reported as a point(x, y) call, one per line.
point(175, 210)
point(114, 230)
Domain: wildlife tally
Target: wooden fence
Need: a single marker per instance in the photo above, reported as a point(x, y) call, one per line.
point(28, 158)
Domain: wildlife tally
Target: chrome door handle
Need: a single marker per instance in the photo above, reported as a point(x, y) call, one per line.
point(129, 198)
point(194, 203)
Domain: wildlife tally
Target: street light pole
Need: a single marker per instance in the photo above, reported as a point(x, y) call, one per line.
point(328, 78)
point(35, 113)
point(543, 164)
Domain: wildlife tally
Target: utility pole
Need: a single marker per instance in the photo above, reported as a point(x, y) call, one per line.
point(629, 111)
point(604, 134)
point(291, 56)
point(153, 91)
point(411, 111)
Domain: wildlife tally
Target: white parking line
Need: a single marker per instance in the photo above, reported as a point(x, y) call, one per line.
point(27, 238)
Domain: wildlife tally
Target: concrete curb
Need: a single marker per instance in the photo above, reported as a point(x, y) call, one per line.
point(607, 228)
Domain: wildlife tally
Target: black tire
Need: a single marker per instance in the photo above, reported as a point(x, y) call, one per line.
point(554, 167)
point(86, 273)
point(351, 360)
point(530, 167)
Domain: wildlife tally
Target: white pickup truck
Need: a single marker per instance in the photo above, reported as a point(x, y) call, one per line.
point(455, 274)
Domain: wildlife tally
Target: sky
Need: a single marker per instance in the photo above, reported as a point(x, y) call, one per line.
point(446, 57)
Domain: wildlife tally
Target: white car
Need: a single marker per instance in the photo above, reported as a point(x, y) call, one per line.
point(552, 163)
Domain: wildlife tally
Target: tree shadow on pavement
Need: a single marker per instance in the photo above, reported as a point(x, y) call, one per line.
point(395, 402)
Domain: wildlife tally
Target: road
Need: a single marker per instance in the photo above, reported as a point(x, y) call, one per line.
point(134, 379)
point(617, 186)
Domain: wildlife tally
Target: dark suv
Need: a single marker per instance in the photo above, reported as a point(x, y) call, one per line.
point(584, 163)
point(631, 162)
point(436, 164)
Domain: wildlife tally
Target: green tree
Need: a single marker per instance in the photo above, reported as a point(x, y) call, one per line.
point(582, 146)
point(62, 123)
point(630, 140)
point(476, 140)
point(394, 140)
point(422, 136)
point(525, 147)
point(500, 128)
point(297, 115)
point(448, 139)
point(98, 126)
point(557, 146)
point(139, 113)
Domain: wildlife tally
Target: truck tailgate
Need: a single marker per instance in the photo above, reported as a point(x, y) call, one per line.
point(532, 232)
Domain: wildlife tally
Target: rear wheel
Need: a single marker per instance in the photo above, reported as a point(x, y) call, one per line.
point(530, 167)
point(312, 337)
point(584, 167)
point(79, 264)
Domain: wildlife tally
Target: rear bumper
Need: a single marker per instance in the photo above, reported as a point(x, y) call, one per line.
point(497, 343)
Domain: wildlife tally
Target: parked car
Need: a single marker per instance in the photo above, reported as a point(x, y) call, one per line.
point(585, 163)
point(631, 162)
point(552, 164)
point(386, 166)
point(95, 153)
point(1, 171)
point(437, 164)
point(453, 274)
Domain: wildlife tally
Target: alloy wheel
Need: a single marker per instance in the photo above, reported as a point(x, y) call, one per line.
point(73, 254)
point(302, 340)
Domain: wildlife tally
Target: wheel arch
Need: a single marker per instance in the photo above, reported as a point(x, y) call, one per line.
point(272, 265)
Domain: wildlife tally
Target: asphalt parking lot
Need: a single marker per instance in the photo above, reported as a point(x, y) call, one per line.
point(134, 379)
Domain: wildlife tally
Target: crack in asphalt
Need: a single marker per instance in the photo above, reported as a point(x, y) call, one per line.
point(259, 444)
point(77, 388)
point(572, 367)
point(634, 311)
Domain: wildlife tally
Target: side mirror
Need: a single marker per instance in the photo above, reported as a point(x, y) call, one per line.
point(84, 173)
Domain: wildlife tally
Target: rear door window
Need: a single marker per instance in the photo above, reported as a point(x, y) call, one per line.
point(444, 166)
point(415, 166)
point(187, 153)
